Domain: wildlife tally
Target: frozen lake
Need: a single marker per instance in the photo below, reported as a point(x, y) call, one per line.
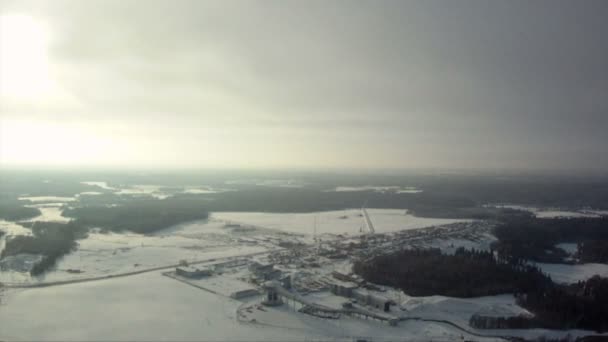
point(334, 222)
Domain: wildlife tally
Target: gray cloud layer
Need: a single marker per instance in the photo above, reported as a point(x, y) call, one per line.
point(340, 83)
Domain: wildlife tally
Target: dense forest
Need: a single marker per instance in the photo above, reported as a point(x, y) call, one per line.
point(593, 251)
point(473, 273)
point(50, 239)
point(53, 240)
point(14, 210)
point(427, 272)
point(578, 306)
point(140, 215)
point(535, 239)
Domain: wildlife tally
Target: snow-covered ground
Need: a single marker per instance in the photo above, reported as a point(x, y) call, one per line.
point(204, 190)
point(103, 185)
point(46, 199)
point(570, 248)
point(49, 212)
point(450, 245)
point(280, 183)
point(459, 310)
point(334, 222)
point(392, 188)
point(562, 213)
point(152, 307)
point(12, 228)
point(143, 189)
point(152, 190)
point(596, 212)
point(569, 274)
point(553, 213)
point(112, 253)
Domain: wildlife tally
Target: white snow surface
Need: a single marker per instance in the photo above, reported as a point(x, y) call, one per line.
point(37, 199)
point(49, 212)
point(151, 307)
point(553, 213)
point(347, 221)
point(563, 214)
point(391, 188)
point(103, 185)
point(570, 248)
point(568, 274)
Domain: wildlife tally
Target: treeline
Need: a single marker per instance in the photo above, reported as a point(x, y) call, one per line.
point(473, 273)
point(14, 210)
point(593, 251)
point(578, 306)
point(140, 215)
point(49, 239)
point(427, 272)
point(268, 199)
point(535, 239)
point(52, 240)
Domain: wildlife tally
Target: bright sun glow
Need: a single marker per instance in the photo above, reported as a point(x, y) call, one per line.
point(47, 143)
point(24, 69)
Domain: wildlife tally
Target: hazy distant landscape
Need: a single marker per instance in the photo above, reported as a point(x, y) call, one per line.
point(263, 170)
point(418, 246)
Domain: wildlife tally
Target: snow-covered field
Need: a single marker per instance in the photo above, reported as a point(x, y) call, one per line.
point(396, 189)
point(281, 183)
point(569, 274)
point(570, 248)
point(333, 222)
point(111, 253)
point(554, 213)
point(562, 213)
point(152, 307)
point(49, 212)
point(152, 190)
point(46, 199)
point(103, 185)
point(12, 228)
point(459, 310)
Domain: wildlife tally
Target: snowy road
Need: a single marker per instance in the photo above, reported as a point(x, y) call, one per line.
point(118, 275)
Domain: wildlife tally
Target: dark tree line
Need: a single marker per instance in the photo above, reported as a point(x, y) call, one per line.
point(467, 273)
point(140, 216)
point(578, 306)
point(535, 239)
point(593, 251)
point(14, 210)
point(473, 273)
point(50, 239)
point(53, 240)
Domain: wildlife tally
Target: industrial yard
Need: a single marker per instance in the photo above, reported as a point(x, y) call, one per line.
point(278, 279)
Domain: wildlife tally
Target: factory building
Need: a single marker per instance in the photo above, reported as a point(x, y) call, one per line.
point(244, 293)
point(193, 272)
point(373, 300)
point(342, 288)
point(345, 277)
point(264, 272)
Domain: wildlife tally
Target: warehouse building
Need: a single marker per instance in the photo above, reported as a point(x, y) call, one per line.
point(373, 300)
point(244, 293)
point(193, 272)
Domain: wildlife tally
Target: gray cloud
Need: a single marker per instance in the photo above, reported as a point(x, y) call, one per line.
point(453, 83)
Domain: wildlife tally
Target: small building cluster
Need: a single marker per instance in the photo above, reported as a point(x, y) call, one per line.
point(193, 272)
point(263, 272)
point(244, 293)
point(345, 286)
point(373, 300)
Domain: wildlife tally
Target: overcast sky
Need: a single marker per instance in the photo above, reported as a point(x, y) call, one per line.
point(314, 84)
